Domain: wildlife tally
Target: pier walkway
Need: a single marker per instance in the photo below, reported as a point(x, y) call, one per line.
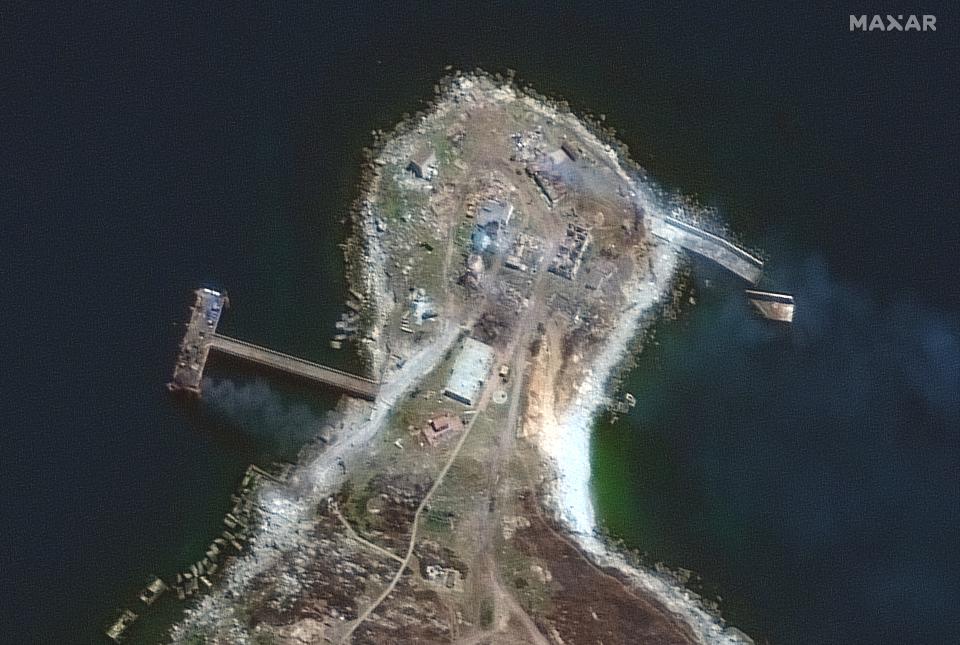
point(709, 246)
point(354, 385)
point(201, 337)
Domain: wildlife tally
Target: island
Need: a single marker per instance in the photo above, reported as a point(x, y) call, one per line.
point(505, 263)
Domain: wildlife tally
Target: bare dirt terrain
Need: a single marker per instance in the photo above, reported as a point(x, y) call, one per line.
point(498, 218)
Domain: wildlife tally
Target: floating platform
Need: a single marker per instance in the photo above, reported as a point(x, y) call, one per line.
point(773, 306)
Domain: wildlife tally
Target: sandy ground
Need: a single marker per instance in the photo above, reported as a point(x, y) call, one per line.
point(564, 439)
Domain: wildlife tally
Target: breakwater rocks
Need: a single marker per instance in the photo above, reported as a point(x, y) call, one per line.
point(243, 517)
point(239, 522)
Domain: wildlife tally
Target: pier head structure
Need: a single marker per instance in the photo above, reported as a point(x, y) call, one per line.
point(201, 338)
point(773, 306)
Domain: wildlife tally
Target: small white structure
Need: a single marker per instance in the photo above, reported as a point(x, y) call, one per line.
point(470, 371)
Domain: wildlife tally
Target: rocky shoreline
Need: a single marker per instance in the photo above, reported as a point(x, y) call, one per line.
point(568, 492)
point(565, 447)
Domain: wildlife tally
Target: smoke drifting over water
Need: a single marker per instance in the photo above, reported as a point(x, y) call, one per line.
point(262, 413)
point(899, 340)
point(829, 447)
point(875, 400)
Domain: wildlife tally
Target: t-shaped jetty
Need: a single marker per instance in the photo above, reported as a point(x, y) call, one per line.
point(201, 337)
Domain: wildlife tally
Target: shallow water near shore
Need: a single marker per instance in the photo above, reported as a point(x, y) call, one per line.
point(758, 451)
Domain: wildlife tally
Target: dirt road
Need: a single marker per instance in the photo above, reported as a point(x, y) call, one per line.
point(286, 508)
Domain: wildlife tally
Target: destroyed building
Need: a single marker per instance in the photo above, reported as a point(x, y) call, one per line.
point(569, 257)
point(424, 165)
point(493, 211)
point(549, 186)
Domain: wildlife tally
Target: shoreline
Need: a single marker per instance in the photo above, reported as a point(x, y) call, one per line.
point(569, 494)
point(565, 448)
point(286, 506)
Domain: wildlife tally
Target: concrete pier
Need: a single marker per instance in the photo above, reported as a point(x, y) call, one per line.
point(201, 337)
point(195, 346)
point(354, 385)
point(709, 246)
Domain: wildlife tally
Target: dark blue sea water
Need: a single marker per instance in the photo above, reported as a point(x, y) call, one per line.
point(809, 476)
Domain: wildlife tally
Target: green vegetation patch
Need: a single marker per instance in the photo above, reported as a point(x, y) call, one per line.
point(525, 577)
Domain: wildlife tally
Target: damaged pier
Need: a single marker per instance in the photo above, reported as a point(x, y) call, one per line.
point(773, 306)
point(201, 337)
point(709, 246)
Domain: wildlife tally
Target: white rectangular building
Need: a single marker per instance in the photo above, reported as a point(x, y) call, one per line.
point(469, 372)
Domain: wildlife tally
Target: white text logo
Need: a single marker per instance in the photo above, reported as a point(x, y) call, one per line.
point(877, 22)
